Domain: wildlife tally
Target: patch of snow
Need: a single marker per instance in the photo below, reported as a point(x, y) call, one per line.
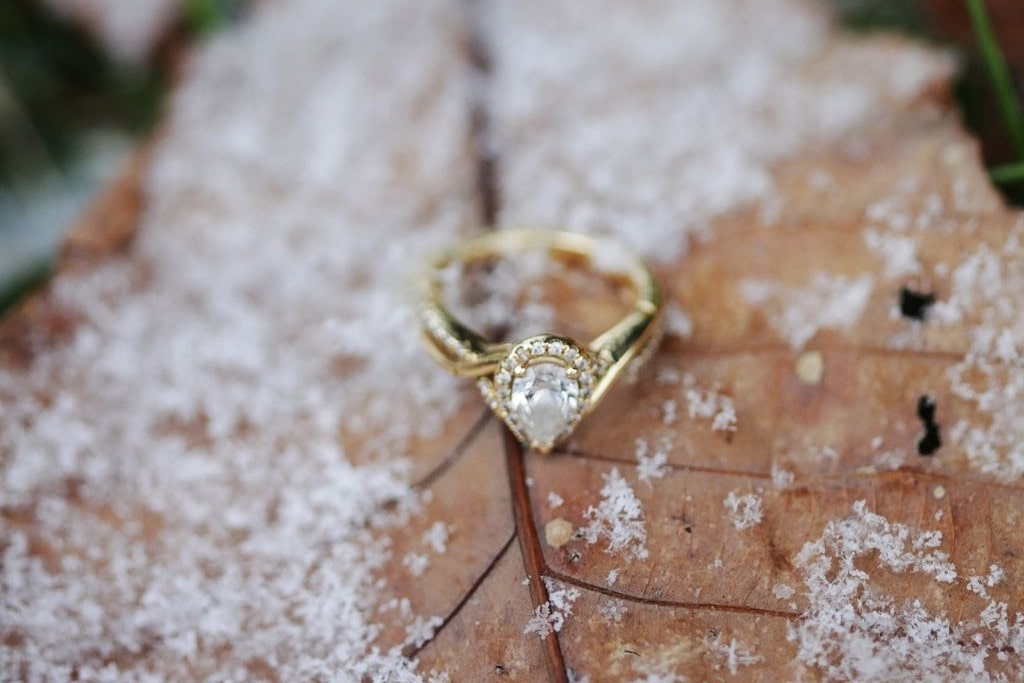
point(852, 631)
point(217, 518)
point(780, 86)
point(898, 253)
point(798, 313)
point(991, 375)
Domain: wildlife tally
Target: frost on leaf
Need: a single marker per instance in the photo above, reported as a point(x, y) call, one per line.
point(746, 510)
point(797, 313)
point(618, 519)
point(851, 631)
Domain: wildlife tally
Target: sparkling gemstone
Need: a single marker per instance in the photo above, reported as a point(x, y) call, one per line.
point(544, 402)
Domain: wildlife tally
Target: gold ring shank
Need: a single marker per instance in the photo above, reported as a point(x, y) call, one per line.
point(467, 353)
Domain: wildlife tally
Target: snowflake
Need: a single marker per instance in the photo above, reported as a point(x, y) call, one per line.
point(747, 510)
point(421, 630)
point(550, 617)
point(618, 519)
point(613, 609)
point(651, 466)
point(709, 404)
point(734, 654)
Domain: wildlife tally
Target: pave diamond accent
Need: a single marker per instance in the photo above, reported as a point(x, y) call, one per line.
point(542, 388)
point(544, 402)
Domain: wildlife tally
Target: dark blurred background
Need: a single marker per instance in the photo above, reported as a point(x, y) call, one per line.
point(81, 85)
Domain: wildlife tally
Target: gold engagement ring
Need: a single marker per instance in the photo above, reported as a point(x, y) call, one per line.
point(543, 385)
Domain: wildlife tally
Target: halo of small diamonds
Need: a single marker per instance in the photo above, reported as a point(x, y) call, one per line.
point(541, 389)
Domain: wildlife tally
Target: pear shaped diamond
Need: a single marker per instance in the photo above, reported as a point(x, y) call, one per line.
point(545, 403)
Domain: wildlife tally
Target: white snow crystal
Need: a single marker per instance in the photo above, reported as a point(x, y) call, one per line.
point(734, 655)
point(898, 253)
point(782, 479)
point(651, 466)
point(618, 519)
point(747, 510)
point(677, 323)
point(416, 563)
point(613, 609)
point(783, 592)
point(709, 404)
point(437, 537)
point(669, 412)
point(550, 617)
point(421, 630)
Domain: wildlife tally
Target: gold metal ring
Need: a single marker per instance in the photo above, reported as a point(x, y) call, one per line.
point(543, 385)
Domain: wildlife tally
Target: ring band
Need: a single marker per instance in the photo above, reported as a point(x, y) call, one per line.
point(543, 385)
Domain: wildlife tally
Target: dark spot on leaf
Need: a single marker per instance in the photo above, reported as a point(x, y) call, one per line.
point(499, 670)
point(915, 305)
point(688, 529)
point(932, 440)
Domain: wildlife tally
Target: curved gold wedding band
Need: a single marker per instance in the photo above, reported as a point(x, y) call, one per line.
point(543, 385)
